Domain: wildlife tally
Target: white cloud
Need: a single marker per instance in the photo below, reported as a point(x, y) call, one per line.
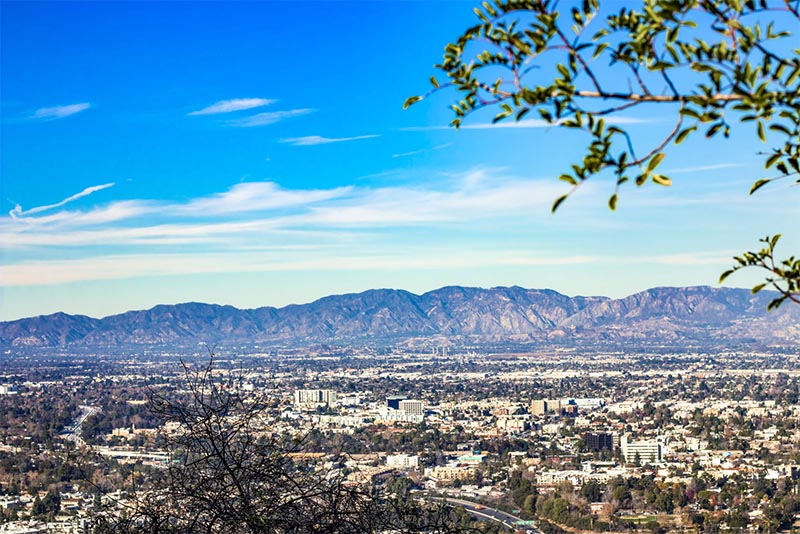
point(421, 151)
point(253, 196)
point(235, 104)
point(252, 212)
point(19, 212)
point(59, 112)
point(702, 168)
point(263, 119)
point(722, 258)
point(280, 259)
point(311, 140)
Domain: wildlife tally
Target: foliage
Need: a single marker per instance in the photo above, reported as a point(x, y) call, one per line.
point(784, 274)
point(713, 62)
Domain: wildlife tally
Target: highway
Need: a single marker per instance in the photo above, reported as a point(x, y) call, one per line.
point(509, 521)
point(73, 432)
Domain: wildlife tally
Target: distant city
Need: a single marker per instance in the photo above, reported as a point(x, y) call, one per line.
point(519, 435)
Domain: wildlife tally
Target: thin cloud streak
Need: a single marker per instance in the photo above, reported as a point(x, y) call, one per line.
point(255, 196)
point(268, 209)
point(421, 151)
point(59, 112)
point(293, 259)
point(19, 212)
point(270, 117)
point(235, 104)
point(702, 168)
point(312, 140)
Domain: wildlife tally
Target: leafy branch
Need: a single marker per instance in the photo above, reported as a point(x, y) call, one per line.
point(784, 275)
point(658, 53)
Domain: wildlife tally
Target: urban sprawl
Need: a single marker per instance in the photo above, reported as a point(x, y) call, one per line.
point(560, 440)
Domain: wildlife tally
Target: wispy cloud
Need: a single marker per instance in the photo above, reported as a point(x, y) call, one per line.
point(722, 258)
point(280, 259)
point(311, 140)
point(702, 168)
point(421, 151)
point(254, 196)
point(271, 117)
point(235, 104)
point(59, 112)
point(19, 212)
point(293, 259)
point(253, 211)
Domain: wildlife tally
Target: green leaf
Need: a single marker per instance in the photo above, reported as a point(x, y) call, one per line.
point(725, 275)
point(660, 179)
point(612, 202)
point(683, 134)
point(761, 134)
point(569, 179)
point(558, 202)
point(411, 100)
point(759, 184)
point(772, 159)
point(655, 161)
point(757, 288)
point(434, 82)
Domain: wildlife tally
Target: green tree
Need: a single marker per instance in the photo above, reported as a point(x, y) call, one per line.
point(741, 69)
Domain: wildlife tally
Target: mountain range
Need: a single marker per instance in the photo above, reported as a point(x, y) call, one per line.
point(664, 316)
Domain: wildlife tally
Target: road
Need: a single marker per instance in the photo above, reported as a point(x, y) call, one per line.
point(73, 432)
point(509, 521)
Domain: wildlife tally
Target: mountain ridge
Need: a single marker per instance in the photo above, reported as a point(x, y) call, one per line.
point(666, 315)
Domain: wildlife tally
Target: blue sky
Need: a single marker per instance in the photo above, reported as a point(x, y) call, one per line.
point(258, 154)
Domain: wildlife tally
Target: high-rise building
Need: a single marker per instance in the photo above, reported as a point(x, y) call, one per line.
point(393, 402)
point(601, 441)
point(545, 406)
point(411, 407)
point(314, 397)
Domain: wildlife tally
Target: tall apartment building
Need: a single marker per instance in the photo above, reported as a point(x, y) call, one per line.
point(545, 406)
point(314, 397)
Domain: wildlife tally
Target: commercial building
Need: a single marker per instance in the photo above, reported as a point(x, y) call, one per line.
point(545, 406)
point(305, 398)
point(393, 402)
point(597, 442)
point(411, 407)
point(641, 452)
point(402, 461)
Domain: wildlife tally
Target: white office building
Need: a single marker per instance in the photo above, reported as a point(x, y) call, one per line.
point(402, 461)
point(412, 407)
point(641, 452)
